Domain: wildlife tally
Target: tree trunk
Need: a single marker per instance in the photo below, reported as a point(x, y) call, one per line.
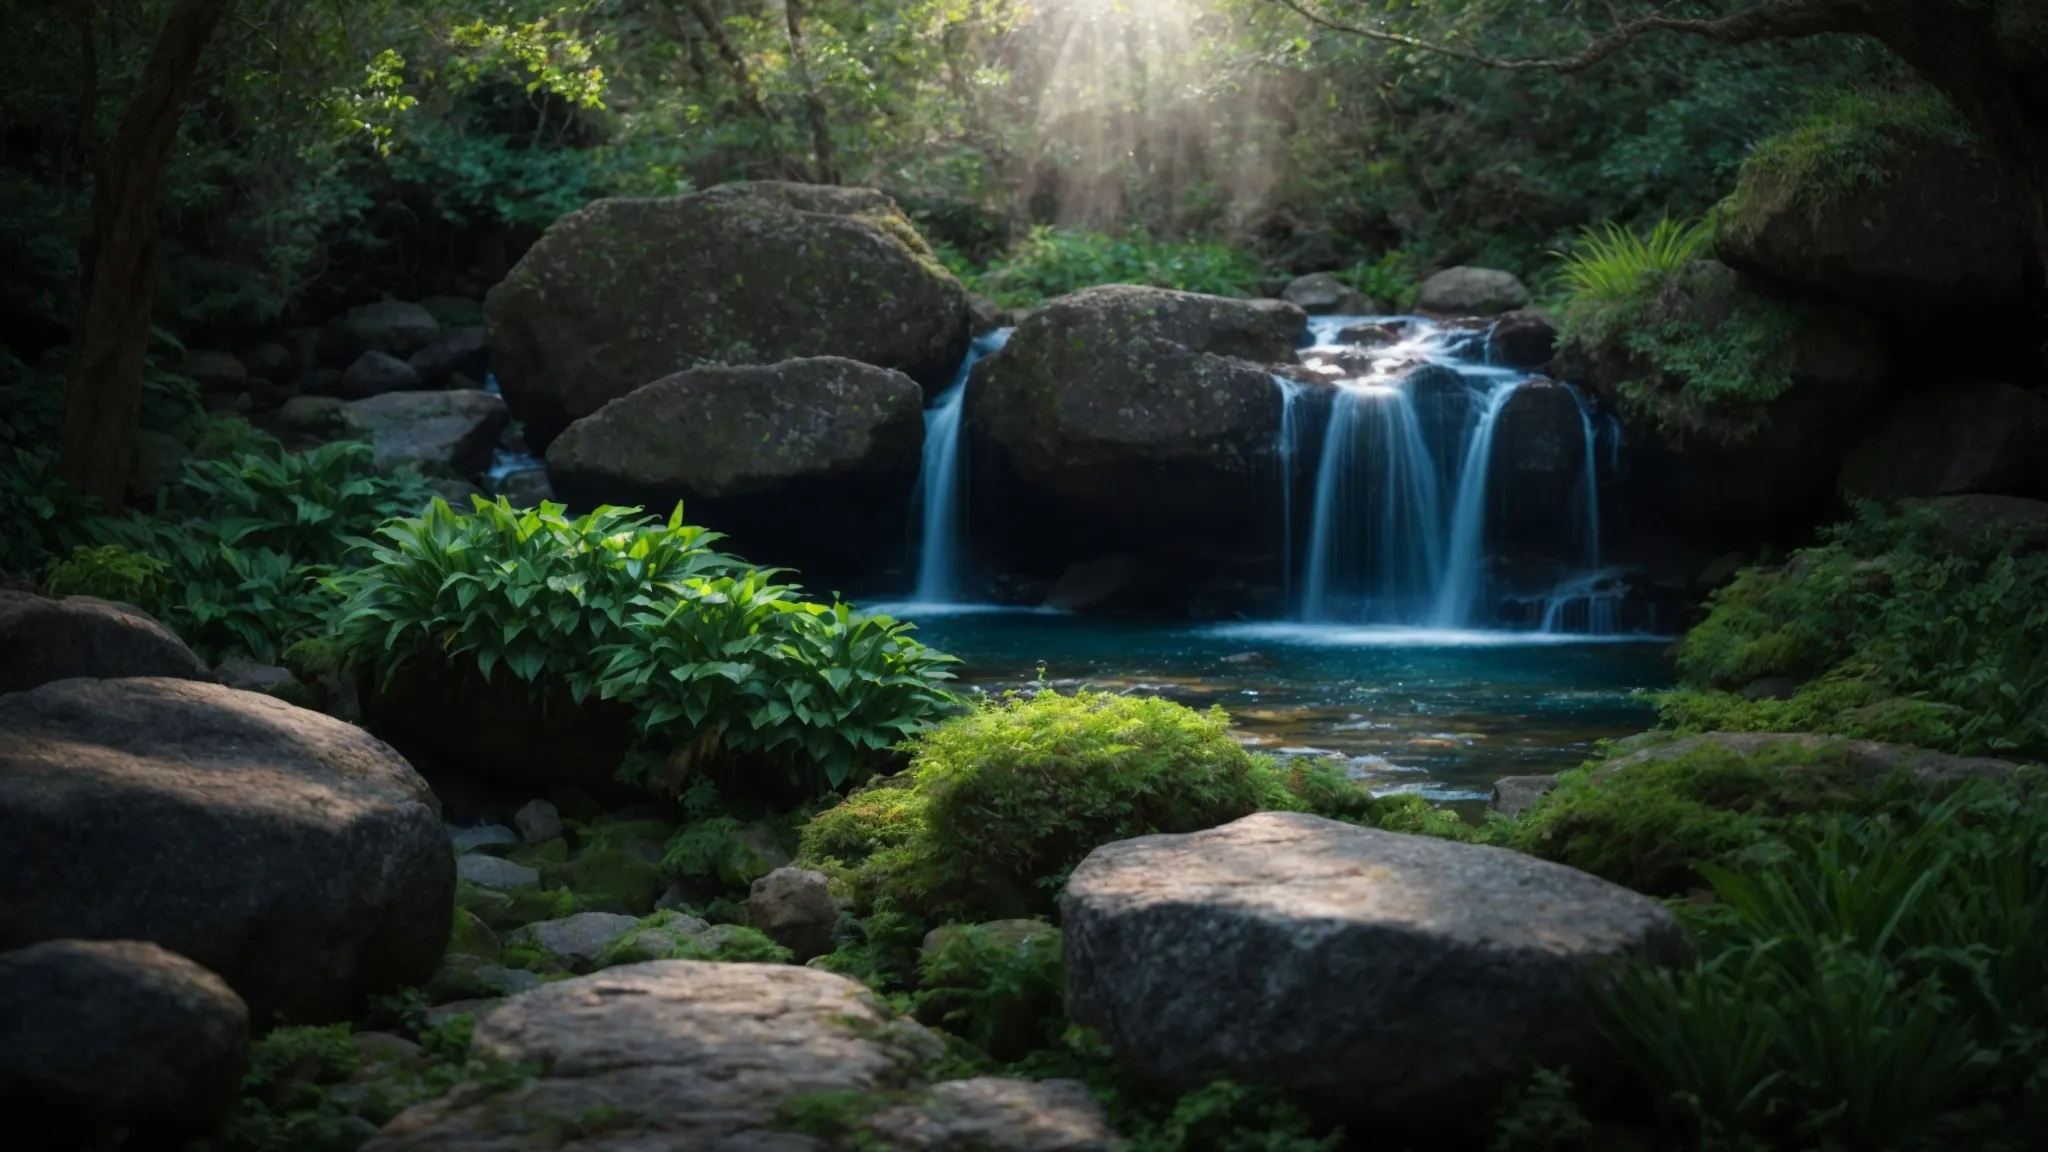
point(823, 154)
point(117, 262)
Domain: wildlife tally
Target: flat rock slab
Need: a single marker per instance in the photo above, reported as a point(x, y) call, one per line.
point(989, 1114)
point(494, 872)
point(575, 941)
point(44, 639)
point(1382, 976)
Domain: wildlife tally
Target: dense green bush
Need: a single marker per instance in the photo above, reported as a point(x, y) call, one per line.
point(1001, 994)
point(718, 662)
point(1053, 261)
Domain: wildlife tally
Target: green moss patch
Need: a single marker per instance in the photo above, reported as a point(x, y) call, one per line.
point(1847, 142)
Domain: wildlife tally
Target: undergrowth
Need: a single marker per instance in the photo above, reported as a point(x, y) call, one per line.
point(1050, 262)
point(1847, 141)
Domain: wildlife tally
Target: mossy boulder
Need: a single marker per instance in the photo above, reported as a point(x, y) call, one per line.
point(623, 292)
point(804, 464)
point(1975, 438)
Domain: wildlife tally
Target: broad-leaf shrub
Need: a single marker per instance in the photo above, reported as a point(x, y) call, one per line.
point(719, 662)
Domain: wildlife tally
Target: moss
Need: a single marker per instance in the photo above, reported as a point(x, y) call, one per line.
point(519, 907)
point(1847, 142)
point(608, 879)
point(548, 854)
point(470, 936)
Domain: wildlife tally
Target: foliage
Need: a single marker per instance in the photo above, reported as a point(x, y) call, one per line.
point(1847, 139)
point(1392, 279)
point(1895, 630)
point(1000, 994)
point(109, 572)
point(720, 664)
point(1539, 1115)
point(1052, 262)
point(1614, 264)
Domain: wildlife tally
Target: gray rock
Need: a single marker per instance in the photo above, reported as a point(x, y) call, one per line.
point(1378, 975)
point(991, 1114)
point(1321, 294)
point(102, 1035)
point(1514, 795)
point(685, 1056)
point(1865, 761)
point(375, 373)
point(390, 327)
point(295, 855)
point(454, 311)
point(1373, 335)
point(538, 822)
point(311, 414)
point(215, 371)
point(658, 942)
point(1977, 438)
point(1466, 291)
point(440, 433)
point(1539, 463)
point(526, 487)
point(575, 941)
point(464, 351)
point(465, 975)
point(1013, 933)
point(1524, 338)
point(622, 292)
point(2015, 522)
point(271, 361)
point(44, 639)
point(493, 872)
point(249, 676)
point(481, 836)
point(794, 909)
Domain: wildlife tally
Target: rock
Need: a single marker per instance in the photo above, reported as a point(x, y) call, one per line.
point(249, 676)
point(792, 907)
point(1091, 583)
point(481, 836)
point(1321, 294)
point(675, 1054)
point(1514, 795)
point(1463, 291)
point(1393, 979)
point(807, 462)
point(375, 373)
point(159, 463)
point(389, 327)
point(461, 976)
point(1142, 408)
point(464, 350)
point(434, 432)
point(294, 854)
point(454, 311)
point(538, 822)
point(623, 292)
point(992, 1114)
point(2020, 524)
point(526, 487)
point(983, 315)
point(574, 942)
point(215, 371)
point(1931, 229)
point(386, 1048)
point(1539, 465)
point(324, 382)
point(102, 1035)
point(311, 414)
point(658, 942)
point(1373, 335)
point(1977, 438)
point(1865, 761)
point(271, 361)
point(494, 872)
point(1524, 338)
point(1008, 933)
point(44, 639)
point(1770, 688)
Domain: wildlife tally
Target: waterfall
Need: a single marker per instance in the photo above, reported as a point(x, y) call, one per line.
point(1377, 532)
point(1589, 604)
point(941, 558)
point(1458, 594)
point(1291, 432)
point(1589, 481)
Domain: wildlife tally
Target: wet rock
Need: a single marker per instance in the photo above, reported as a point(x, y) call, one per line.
point(464, 351)
point(991, 1114)
point(1865, 761)
point(271, 361)
point(215, 371)
point(44, 639)
point(293, 854)
point(1391, 978)
point(103, 1035)
point(375, 373)
point(527, 487)
point(1539, 465)
point(1514, 795)
point(1977, 438)
point(1463, 291)
point(494, 872)
point(794, 909)
point(1373, 335)
point(1321, 294)
point(435, 432)
point(249, 676)
point(392, 328)
point(481, 836)
point(538, 822)
point(574, 942)
point(2017, 523)
point(1524, 338)
point(623, 292)
point(463, 976)
point(984, 315)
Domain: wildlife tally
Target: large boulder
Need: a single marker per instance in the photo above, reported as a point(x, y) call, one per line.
point(464, 350)
point(1985, 438)
point(376, 373)
point(44, 639)
point(794, 907)
point(1397, 980)
point(1539, 469)
point(104, 1035)
point(804, 464)
point(391, 327)
point(676, 1054)
point(624, 292)
point(1524, 338)
point(1463, 291)
point(439, 433)
point(295, 855)
point(2019, 523)
point(995, 1114)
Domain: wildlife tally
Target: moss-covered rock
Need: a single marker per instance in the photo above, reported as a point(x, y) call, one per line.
point(623, 292)
point(1973, 438)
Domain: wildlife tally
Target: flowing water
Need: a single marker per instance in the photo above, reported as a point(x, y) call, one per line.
point(942, 547)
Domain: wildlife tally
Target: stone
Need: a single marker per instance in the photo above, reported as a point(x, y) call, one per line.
point(215, 371)
point(1091, 583)
point(494, 872)
point(983, 315)
point(688, 1056)
point(658, 942)
point(1864, 761)
point(2015, 522)
point(481, 836)
point(44, 639)
point(453, 311)
point(390, 327)
point(464, 351)
point(311, 414)
point(1463, 291)
point(1377, 335)
point(375, 373)
point(1524, 338)
point(386, 1048)
point(271, 361)
point(793, 908)
point(1382, 977)
point(806, 462)
point(1539, 465)
point(1008, 933)
point(1514, 795)
point(1977, 438)
point(461, 976)
point(526, 487)
point(249, 676)
point(623, 292)
point(441, 433)
point(293, 854)
point(577, 941)
point(1321, 294)
point(993, 1114)
point(538, 822)
point(102, 1035)
point(324, 382)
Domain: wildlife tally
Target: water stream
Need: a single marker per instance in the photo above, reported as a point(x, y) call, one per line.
point(942, 544)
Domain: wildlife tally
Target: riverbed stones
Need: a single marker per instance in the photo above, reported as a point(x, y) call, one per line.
point(1464, 291)
point(374, 374)
point(538, 822)
point(494, 872)
point(102, 1035)
point(293, 854)
point(1386, 977)
point(441, 433)
point(793, 908)
point(44, 638)
point(466, 351)
point(677, 1054)
point(1975, 438)
point(623, 292)
point(391, 327)
point(1524, 338)
point(1321, 294)
point(574, 942)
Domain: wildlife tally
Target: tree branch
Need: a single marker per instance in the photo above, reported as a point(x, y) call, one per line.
point(1772, 20)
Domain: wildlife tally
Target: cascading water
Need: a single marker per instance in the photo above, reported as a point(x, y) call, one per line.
point(1589, 603)
point(941, 558)
point(1292, 429)
point(1589, 482)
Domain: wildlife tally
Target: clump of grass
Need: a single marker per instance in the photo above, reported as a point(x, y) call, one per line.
point(1611, 263)
point(1848, 141)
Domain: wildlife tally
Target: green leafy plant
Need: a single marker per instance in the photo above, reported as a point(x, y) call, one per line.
point(1612, 263)
point(109, 572)
point(998, 993)
point(1052, 262)
point(1393, 279)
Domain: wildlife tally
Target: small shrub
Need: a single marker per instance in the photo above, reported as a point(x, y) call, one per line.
point(1612, 264)
point(1393, 279)
point(1001, 995)
point(1053, 262)
point(109, 572)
